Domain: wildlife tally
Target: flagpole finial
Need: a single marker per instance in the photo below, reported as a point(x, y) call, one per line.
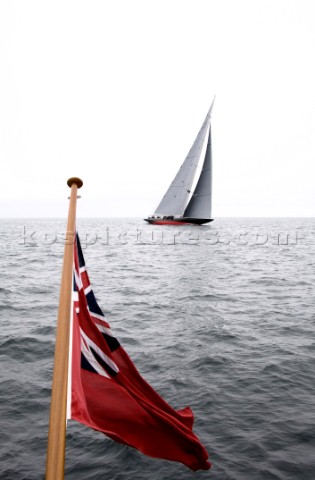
point(75, 180)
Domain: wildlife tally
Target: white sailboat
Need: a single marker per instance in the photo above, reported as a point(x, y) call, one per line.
point(180, 205)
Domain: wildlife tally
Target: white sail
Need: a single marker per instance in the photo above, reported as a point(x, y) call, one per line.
point(199, 205)
point(176, 197)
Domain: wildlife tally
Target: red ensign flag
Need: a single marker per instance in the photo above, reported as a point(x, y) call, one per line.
point(108, 393)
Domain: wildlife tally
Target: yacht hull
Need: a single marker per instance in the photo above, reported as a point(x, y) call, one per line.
point(178, 221)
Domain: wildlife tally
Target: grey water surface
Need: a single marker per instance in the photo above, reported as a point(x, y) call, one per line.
point(219, 317)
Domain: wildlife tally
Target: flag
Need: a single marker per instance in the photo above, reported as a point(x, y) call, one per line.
point(108, 393)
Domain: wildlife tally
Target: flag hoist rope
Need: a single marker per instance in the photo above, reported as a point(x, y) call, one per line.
point(55, 462)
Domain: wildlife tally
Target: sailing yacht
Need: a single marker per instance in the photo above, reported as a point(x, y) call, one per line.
point(180, 205)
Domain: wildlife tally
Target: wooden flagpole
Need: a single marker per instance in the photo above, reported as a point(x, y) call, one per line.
point(55, 462)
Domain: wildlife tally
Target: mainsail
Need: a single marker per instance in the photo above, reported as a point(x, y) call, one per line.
point(177, 196)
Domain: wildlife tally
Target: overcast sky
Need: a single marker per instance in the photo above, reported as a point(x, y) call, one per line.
point(116, 91)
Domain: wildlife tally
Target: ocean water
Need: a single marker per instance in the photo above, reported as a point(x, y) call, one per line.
point(219, 317)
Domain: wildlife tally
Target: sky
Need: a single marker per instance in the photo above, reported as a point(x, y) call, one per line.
point(115, 92)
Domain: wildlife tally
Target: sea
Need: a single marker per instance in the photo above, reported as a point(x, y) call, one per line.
point(219, 317)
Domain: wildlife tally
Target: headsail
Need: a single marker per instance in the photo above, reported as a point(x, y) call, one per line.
point(199, 205)
point(176, 197)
